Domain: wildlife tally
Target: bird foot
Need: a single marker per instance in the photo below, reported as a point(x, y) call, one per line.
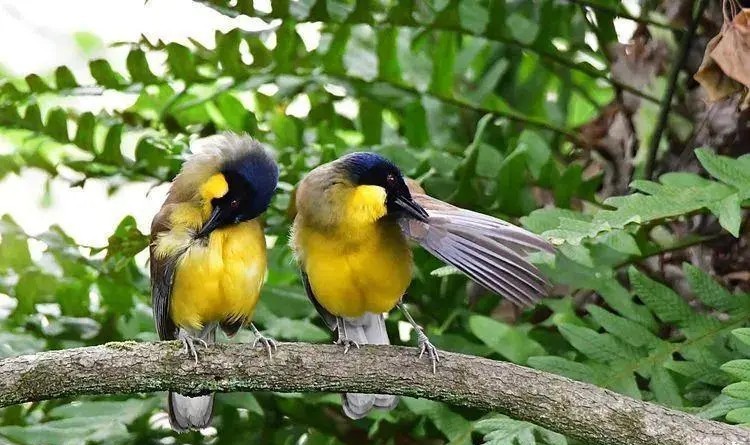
point(268, 343)
point(346, 343)
point(188, 344)
point(425, 346)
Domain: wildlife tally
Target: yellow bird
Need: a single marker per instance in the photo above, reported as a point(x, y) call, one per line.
point(354, 219)
point(208, 253)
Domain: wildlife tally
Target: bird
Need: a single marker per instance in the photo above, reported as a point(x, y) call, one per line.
point(355, 220)
point(208, 253)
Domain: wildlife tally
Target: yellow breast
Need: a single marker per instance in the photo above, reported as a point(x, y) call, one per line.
point(221, 279)
point(363, 265)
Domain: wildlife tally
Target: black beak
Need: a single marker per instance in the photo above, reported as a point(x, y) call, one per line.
point(213, 222)
point(412, 208)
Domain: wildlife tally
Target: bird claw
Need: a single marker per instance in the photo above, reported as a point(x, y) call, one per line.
point(346, 343)
point(268, 343)
point(425, 346)
point(188, 345)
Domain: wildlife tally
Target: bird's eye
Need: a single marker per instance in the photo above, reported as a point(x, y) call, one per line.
point(390, 179)
point(234, 204)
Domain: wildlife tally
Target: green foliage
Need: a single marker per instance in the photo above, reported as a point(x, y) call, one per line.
point(478, 100)
point(615, 351)
point(502, 430)
point(739, 391)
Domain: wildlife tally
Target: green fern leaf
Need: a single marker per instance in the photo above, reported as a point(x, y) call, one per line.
point(708, 290)
point(699, 371)
point(739, 390)
point(720, 406)
point(665, 303)
point(735, 172)
point(506, 340)
point(738, 368)
point(502, 430)
point(665, 388)
point(626, 330)
point(739, 415)
point(743, 335)
point(729, 211)
point(139, 69)
point(452, 425)
point(600, 347)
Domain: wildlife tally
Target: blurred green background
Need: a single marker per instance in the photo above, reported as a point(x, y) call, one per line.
point(544, 113)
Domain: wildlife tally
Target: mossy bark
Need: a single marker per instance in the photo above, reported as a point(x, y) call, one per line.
point(579, 410)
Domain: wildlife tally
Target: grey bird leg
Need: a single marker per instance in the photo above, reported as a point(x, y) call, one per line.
point(343, 338)
point(267, 342)
point(424, 343)
point(188, 342)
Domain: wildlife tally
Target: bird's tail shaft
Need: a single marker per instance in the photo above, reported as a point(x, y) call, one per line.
point(192, 413)
point(367, 329)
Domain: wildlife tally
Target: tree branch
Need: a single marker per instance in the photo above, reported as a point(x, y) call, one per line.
point(620, 11)
point(579, 410)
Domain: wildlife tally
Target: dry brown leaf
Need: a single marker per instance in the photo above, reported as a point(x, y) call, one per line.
point(716, 123)
point(732, 52)
point(592, 132)
point(745, 102)
point(610, 135)
point(711, 77)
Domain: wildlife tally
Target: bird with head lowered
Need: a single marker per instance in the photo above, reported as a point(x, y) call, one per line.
point(355, 218)
point(208, 253)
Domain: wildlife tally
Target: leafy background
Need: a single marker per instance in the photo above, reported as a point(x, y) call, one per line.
point(544, 113)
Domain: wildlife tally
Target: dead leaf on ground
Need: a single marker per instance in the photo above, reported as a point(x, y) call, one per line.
point(711, 77)
point(717, 123)
point(726, 62)
point(732, 52)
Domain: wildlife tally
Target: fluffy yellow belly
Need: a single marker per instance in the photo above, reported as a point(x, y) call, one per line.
point(351, 277)
point(220, 280)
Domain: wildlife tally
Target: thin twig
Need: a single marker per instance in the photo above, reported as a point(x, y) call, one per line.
point(666, 102)
point(507, 114)
point(620, 99)
point(681, 245)
point(621, 12)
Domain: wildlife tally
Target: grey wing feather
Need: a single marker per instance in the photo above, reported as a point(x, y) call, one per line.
point(327, 317)
point(490, 251)
point(515, 238)
point(162, 278)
